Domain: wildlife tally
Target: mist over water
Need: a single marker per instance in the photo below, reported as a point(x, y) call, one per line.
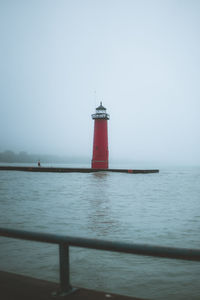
point(159, 209)
point(140, 58)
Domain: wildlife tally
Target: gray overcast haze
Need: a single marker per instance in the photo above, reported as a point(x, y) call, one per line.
point(141, 57)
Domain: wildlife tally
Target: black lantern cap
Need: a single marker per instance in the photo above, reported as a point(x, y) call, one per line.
point(100, 113)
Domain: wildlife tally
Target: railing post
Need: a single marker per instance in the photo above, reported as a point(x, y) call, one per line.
point(64, 268)
point(65, 287)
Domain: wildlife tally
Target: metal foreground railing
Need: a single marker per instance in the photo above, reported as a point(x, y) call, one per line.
point(65, 242)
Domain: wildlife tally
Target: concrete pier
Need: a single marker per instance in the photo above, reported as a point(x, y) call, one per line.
point(18, 287)
point(78, 170)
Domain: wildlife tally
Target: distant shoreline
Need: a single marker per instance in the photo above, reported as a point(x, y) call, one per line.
point(9, 156)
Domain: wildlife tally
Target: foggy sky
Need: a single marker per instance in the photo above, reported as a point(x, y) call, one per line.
point(141, 57)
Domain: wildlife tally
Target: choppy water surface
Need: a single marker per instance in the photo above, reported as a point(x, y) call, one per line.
point(160, 209)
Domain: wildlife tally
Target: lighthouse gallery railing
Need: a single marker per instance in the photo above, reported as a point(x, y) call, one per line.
point(65, 242)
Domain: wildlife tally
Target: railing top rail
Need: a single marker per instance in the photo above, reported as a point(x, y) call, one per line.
point(139, 249)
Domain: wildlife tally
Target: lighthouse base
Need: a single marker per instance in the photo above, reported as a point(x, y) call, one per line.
point(99, 164)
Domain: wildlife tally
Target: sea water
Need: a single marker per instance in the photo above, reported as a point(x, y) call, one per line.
point(160, 209)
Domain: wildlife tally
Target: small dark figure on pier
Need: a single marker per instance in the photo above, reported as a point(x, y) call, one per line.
point(39, 163)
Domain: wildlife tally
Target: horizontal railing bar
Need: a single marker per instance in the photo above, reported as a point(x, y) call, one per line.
point(138, 249)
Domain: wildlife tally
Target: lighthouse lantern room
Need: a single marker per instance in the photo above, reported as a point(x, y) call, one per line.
point(100, 143)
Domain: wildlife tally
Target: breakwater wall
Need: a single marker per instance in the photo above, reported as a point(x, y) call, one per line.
point(70, 170)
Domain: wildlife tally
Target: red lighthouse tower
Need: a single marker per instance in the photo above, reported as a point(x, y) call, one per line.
point(100, 144)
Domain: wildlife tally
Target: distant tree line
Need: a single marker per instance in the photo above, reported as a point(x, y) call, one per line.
point(10, 156)
point(23, 157)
